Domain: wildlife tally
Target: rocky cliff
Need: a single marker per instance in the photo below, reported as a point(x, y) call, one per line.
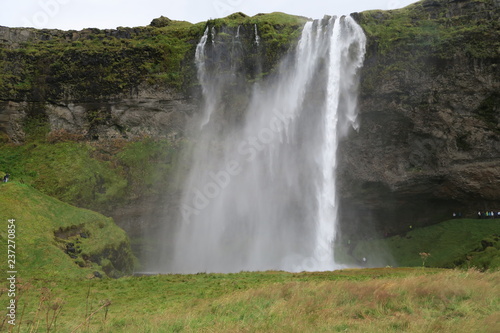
point(123, 83)
point(428, 144)
point(429, 141)
point(102, 84)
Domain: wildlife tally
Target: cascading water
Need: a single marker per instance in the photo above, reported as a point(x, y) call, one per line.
point(261, 194)
point(203, 78)
point(238, 32)
point(341, 73)
point(257, 37)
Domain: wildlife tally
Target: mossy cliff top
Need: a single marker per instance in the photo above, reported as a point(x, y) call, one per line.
point(439, 27)
point(94, 64)
point(428, 35)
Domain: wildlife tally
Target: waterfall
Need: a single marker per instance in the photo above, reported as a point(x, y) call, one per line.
point(238, 32)
point(261, 195)
point(343, 37)
point(204, 78)
point(212, 32)
point(199, 57)
point(257, 38)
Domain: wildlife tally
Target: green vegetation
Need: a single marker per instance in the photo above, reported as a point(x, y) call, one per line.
point(95, 64)
point(369, 300)
point(46, 228)
point(277, 20)
point(92, 175)
point(66, 171)
point(462, 243)
point(58, 293)
point(149, 165)
point(426, 37)
point(429, 26)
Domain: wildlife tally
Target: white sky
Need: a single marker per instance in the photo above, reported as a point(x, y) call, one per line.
point(79, 14)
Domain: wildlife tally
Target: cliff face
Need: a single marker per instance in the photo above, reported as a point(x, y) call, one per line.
point(124, 83)
point(429, 141)
point(154, 114)
point(101, 84)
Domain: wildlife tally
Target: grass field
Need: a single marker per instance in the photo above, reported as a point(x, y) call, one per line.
point(364, 300)
point(55, 294)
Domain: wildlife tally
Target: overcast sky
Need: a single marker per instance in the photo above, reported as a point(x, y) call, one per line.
point(79, 14)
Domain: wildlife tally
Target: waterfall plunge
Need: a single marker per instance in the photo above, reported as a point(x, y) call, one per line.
point(262, 195)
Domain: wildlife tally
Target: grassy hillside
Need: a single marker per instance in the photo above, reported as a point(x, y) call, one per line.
point(55, 240)
point(461, 242)
point(91, 175)
point(369, 300)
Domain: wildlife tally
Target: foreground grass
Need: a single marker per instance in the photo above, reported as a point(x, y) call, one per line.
point(369, 300)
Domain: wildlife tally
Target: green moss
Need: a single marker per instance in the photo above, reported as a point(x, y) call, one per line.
point(36, 127)
point(39, 220)
point(97, 65)
point(94, 176)
point(449, 243)
point(484, 257)
point(101, 63)
point(423, 28)
point(148, 164)
point(161, 22)
point(278, 19)
point(279, 32)
point(65, 171)
point(425, 37)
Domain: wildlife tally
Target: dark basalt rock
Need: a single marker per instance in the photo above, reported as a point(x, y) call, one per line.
point(429, 138)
